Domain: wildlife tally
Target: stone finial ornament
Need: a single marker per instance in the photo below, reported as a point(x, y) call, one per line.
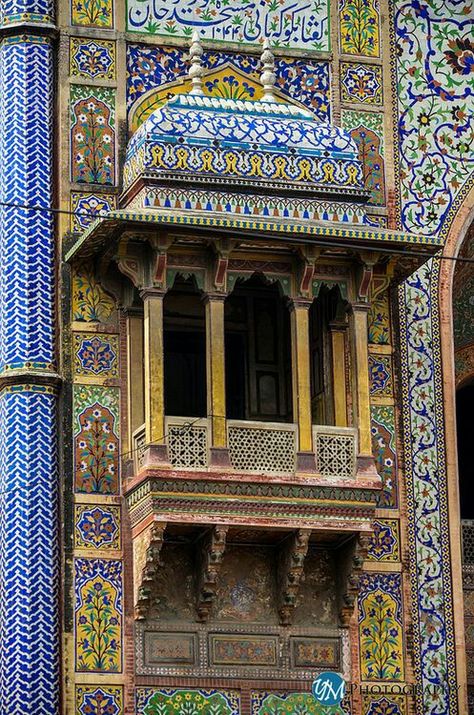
point(196, 69)
point(268, 76)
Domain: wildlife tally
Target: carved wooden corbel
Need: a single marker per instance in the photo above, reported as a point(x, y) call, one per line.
point(290, 573)
point(350, 566)
point(147, 560)
point(223, 248)
point(211, 561)
point(309, 256)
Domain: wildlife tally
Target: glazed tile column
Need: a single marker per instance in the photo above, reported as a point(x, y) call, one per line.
point(29, 553)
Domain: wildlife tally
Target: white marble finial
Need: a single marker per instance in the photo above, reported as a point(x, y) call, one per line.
point(268, 76)
point(196, 69)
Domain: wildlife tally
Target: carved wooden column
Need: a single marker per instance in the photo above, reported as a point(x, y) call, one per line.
point(299, 308)
point(135, 378)
point(360, 335)
point(154, 368)
point(215, 366)
point(338, 346)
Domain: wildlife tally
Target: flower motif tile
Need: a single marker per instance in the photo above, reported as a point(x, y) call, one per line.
point(384, 543)
point(87, 206)
point(384, 705)
point(92, 135)
point(181, 701)
point(92, 13)
point(98, 615)
point(380, 374)
point(96, 354)
point(99, 700)
point(90, 302)
point(361, 83)
point(92, 58)
point(360, 27)
point(96, 527)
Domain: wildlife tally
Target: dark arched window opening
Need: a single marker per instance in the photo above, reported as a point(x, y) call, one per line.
point(258, 352)
point(465, 433)
point(184, 350)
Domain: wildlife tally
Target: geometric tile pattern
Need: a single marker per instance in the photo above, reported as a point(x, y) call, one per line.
point(435, 121)
point(26, 246)
point(29, 549)
point(94, 59)
point(98, 615)
point(361, 83)
point(229, 22)
point(99, 700)
point(428, 525)
point(30, 11)
point(96, 527)
point(148, 68)
point(29, 553)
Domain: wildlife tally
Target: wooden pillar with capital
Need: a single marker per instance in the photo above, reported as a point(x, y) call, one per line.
point(154, 370)
point(338, 349)
point(365, 462)
point(215, 370)
point(300, 356)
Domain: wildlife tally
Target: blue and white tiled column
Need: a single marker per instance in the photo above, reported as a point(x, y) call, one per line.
point(29, 546)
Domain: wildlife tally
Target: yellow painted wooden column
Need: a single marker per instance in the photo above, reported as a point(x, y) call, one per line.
point(361, 393)
point(215, 371)
point(338, 347)
point(135, 395)
point(154, 365)
point(300, 369)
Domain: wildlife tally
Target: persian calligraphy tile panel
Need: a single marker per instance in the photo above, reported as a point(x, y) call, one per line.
point(384, 543)
point(361, 83)
point(286, 24)
point(391, 705)
point(92, 13)
point(98, 615)
point(90, 302)
point(384, 449)
point(359, 27)
point(379, 312)
point(92, 135)
point(96, 527)
point(300, 80)
point(366, 128)
point(169, 701)
point(87, 206)
point(96, 354)
point(435, 70)
point(94, 59)
point(99, 700)
point(264, 703)
point(380, 375)
point(427, 510)
point(96, 440)
point(381, 627)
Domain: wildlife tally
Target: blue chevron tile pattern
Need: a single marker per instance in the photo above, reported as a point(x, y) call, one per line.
point(28, 553)
point(26, 248)
point(26, 10)
point(29, 558)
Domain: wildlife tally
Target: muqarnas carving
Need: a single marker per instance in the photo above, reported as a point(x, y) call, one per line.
point(96, 440)
point(98, 615)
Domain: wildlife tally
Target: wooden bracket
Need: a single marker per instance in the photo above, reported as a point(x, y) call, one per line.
point(212, 554)
point(350, 564)
point(290, 573)
point(147, 558)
